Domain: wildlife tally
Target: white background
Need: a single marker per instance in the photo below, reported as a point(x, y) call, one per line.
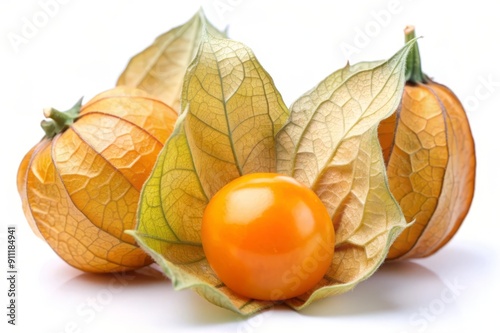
point(84, 46)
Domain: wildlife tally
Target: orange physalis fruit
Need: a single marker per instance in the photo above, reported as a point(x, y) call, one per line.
point(80, 184)
point(431, 164)
point(267, 236)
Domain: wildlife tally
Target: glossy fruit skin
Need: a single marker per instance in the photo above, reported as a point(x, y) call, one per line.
point(80, 189)
point(267, 236)
point(431, 164)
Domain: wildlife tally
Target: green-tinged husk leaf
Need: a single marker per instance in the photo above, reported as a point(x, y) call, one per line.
point(330, 143)
point(159, 69)
point(230, 125)
point(231, 114)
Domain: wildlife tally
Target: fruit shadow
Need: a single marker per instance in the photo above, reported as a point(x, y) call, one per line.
point(144, 279)
point(396, 285)
point(149, 286)
point(401, 285)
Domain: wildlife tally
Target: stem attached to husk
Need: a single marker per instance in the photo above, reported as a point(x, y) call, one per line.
point(59, 121)
point(414, 72)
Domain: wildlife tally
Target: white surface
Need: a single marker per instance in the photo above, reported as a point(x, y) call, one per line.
point(83, 48)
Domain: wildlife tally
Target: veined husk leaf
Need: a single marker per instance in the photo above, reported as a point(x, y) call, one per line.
point(430, 156)
point(431, 164)
point(159, 69)
point(330, 143)
point(231, 114)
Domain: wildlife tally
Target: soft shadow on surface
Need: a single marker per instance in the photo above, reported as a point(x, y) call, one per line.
point(198, 311)
point(394, 286)
point(146, 276)
point(204, 313)
point(466, 258)
point(400, 285)
point(55, 273)
point(149, 284)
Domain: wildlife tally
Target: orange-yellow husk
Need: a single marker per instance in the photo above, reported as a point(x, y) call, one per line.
point(80, 189)
point(430, 156)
